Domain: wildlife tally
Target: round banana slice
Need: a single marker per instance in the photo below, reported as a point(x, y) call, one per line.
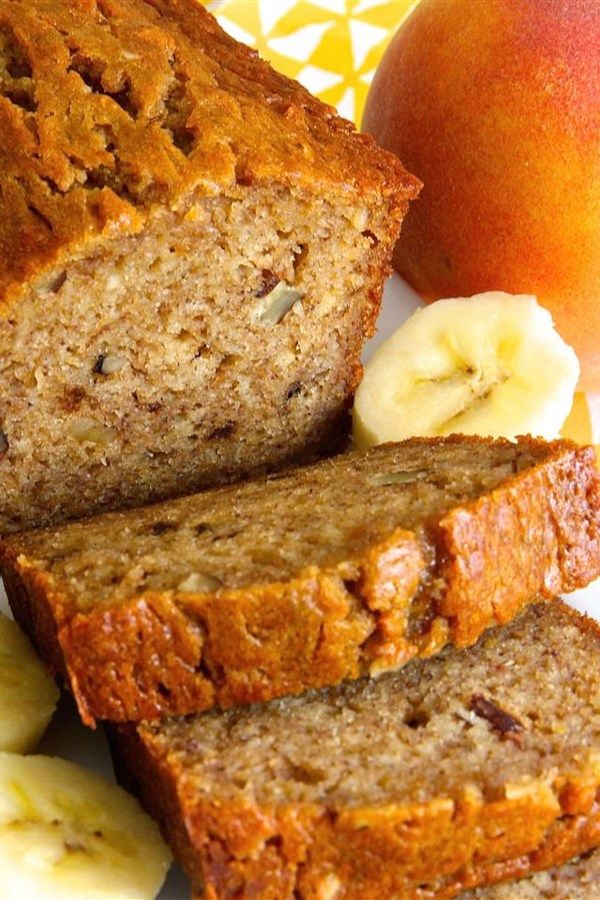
point(492, 365)
point(65, 833)
point(28, 695)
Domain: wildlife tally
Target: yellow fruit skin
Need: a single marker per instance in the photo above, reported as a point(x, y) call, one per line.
point(495, 106)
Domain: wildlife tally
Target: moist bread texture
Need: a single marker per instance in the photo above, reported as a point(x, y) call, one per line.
point(192, 253)
point(471, 768)
point(302, 579)
point(576, 880)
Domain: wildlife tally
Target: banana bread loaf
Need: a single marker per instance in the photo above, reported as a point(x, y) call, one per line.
point(350, 566)
point(192, 252)
point(576, 880)
point(473, 767)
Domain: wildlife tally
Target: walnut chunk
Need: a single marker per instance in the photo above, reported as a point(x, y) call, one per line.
point(506, 725)
point(199, 583)
point(380, 479)
point(50, 283)
point(88, 430)
point(360, 218)
point(269, 281)
point(277, 303)
point(108, 365)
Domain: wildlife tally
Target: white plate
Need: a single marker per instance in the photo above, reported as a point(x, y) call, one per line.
point(67, 737)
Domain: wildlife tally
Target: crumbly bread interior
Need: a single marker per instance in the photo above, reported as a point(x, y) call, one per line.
point(422, 733)
point(220, 342)
point(270, 529)
point(193, 252)
point(575, 880)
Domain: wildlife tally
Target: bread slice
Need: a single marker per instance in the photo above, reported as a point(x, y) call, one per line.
point(463, 770)
point(351, 566)
point(576, 880)
point(192, 253)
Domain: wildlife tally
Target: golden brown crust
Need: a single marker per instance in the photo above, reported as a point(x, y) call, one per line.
point(161, 654)
point(436, 848)
point(543, 511)
point(111, 108)
point(172, 653)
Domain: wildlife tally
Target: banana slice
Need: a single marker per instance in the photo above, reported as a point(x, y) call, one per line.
point(491, 365)
point(65, 833)
point(28, 695)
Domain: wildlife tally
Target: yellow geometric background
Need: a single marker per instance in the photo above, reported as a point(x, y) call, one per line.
point(333, 47)
point(330, 46)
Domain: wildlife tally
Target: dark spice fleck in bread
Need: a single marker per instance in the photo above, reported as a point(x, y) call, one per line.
point(351, 566)
point(576, 880)
point(390, 787)
point(192, 253)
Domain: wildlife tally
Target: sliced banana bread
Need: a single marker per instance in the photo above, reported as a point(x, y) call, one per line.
point(351, 566)
point(192, 253)
point(576, 880)
point(473, 767)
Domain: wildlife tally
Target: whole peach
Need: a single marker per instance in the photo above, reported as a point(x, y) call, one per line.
point(495, 106)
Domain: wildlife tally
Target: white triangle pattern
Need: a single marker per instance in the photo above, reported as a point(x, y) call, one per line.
point(334, 6)
point(271, 11)
point(347, 105)
point(367, 77)
point(365, 5)
point(301, 44)
point(316, 80)
point(233, 29)
point(364, 37)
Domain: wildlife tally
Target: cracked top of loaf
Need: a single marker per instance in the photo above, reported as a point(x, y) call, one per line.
point(112, 108)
